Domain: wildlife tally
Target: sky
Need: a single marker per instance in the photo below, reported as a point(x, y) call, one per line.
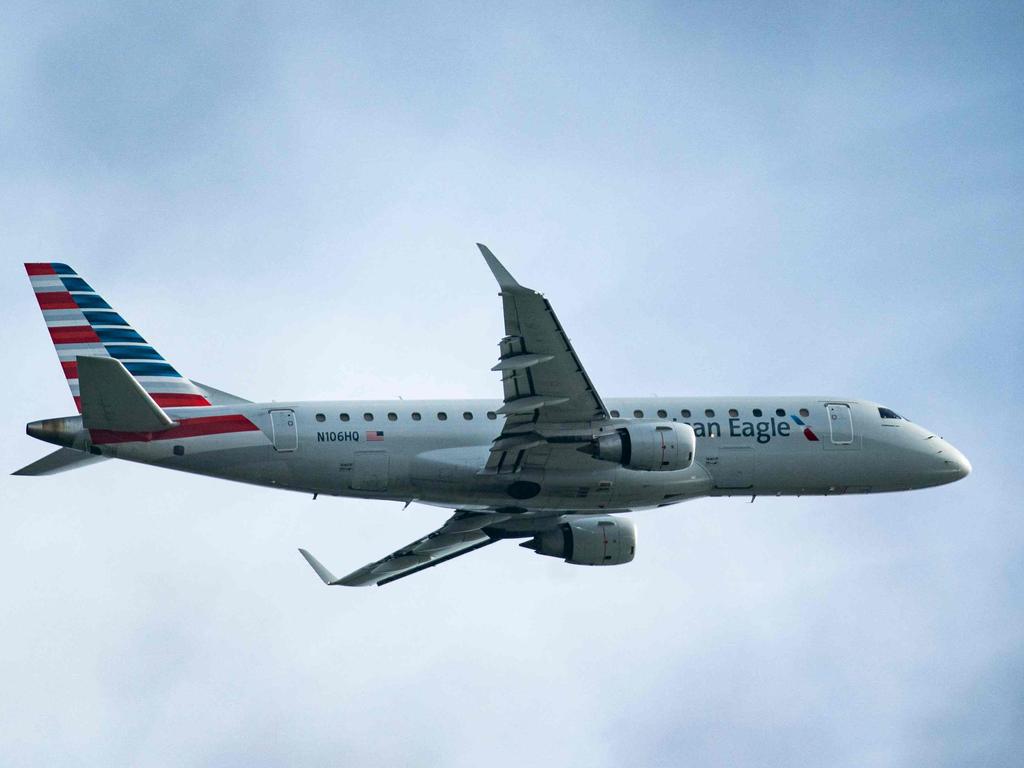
point(819, 198)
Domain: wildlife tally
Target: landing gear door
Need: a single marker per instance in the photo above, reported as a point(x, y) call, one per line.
point(286, 435)
point(840, 423)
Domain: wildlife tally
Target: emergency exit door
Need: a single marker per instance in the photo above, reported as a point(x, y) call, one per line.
point(286, 435)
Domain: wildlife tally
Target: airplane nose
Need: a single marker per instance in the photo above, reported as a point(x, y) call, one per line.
point(955, 462)
point(963, 465)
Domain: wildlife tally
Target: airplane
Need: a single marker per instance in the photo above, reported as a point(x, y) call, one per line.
point(552, 463)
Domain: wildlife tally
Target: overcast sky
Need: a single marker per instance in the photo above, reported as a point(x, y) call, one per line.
point(746, 199)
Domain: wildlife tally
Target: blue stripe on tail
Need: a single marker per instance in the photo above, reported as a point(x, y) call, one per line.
point(151, 369)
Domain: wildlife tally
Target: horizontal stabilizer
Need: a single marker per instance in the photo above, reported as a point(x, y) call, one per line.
point(59, 461)
point(113, 399)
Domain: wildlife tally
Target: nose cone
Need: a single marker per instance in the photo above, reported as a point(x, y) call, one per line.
point(956, 462)
point(919, 458)
point(946, 464)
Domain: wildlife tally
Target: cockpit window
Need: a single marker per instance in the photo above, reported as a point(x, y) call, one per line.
point(886, 413)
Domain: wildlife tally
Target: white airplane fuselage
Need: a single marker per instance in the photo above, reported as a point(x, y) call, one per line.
point(840, 446)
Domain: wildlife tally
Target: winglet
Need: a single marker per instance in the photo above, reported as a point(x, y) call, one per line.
point(325, 576)
point(505, 280)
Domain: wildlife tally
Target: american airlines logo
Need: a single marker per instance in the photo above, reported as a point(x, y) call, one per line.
point(762, 431)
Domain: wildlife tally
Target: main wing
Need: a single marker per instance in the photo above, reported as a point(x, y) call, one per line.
point(461, 534)
point(544, 382)
point(546, 391)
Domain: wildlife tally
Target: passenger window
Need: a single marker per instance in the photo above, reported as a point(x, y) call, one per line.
point(804, 412)
point(757, 413)
point(733, 412)
point(416, 416)
point(685, 413)
point(662, 413)
point(638, 414)
point(615, 414)
point(367, 417)
point(321, 417)
point(886, 413)
point(492, 415)
point(709, 412)
point(467, 415)
point(780, 412)
point(343, 416)
point(442, 416)
point(392, 416)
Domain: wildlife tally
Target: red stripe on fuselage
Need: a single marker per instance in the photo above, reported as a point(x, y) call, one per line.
point(39, 269)
point(198, 427)
point(56, 300)
point(175, 400)
point(73, 334)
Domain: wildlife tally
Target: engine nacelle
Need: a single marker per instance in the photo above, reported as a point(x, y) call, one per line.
point(603, 540)
point(657, 447)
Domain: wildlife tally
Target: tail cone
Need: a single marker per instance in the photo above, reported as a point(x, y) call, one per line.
point(57, 431)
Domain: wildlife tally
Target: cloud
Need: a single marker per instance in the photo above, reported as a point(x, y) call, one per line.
point(716, 200)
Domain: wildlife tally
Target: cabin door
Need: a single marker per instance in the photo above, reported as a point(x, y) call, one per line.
point(840, 422)
point(286, 436)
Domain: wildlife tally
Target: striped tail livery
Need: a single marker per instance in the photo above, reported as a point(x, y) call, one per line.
point(82, 324)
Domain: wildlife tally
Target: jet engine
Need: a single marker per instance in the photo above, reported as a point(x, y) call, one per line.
point(602, 540)
point(655, 447)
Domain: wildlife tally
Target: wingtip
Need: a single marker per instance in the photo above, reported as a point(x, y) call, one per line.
point(325, 575)
point(505, 280)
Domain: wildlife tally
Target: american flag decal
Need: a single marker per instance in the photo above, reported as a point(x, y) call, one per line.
point(374, 437)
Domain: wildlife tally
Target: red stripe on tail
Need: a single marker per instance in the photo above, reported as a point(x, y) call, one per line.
point(56, 300)
point(176, 400)
point(200, 427)
point(73, 334)
point(70, 370)
point(39, 269)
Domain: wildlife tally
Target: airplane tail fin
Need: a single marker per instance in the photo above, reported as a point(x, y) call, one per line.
point(83, 325)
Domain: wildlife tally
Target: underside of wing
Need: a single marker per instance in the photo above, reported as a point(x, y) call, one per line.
point(461, 534)
point(578, 538)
